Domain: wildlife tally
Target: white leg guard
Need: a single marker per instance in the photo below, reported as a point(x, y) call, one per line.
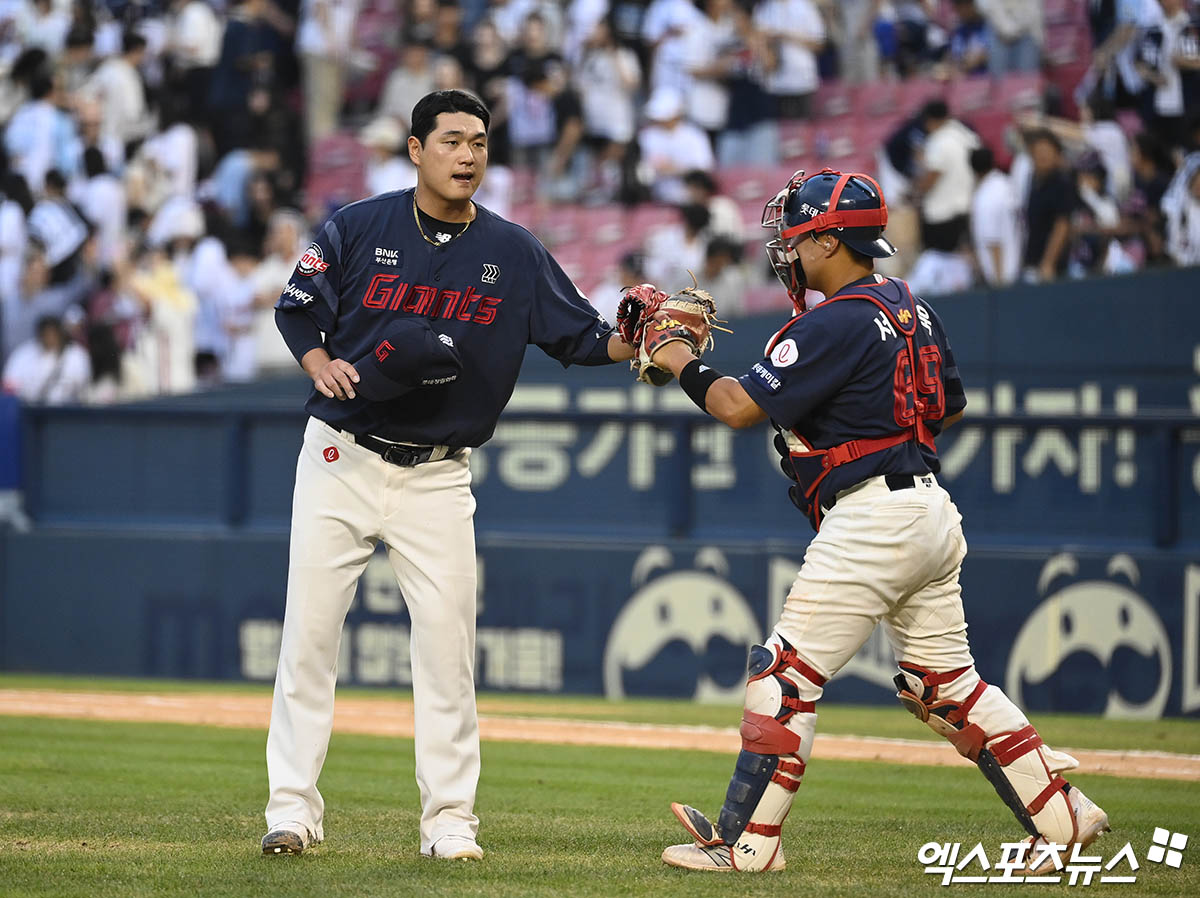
point(987, 728)
point(777, 732)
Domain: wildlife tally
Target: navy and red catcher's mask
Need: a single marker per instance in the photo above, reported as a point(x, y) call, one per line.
point(850, 206)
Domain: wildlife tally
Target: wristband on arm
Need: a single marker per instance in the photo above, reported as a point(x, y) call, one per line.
point(695, 379)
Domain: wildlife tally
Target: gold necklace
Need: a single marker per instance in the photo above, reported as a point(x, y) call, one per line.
point(439, 241)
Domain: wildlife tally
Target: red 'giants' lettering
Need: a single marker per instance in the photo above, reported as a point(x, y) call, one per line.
point(387, 291)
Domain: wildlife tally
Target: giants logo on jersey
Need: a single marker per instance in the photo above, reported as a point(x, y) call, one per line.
point(312, 262)
point(387, 291)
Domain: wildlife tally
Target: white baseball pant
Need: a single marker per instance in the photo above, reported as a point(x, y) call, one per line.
point(882, 556)
point(341, 509)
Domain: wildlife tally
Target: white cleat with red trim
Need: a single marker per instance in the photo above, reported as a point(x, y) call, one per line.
point(1090, 823)
point(713, 858)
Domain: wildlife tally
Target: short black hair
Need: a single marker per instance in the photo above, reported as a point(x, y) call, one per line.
point(1040, 134)
point(723, 246)
point(430, 106)
point(935, 109)
point(55, 181)
point(131, 42)
point(695, 216)
point(983, 160)
point(698, 177)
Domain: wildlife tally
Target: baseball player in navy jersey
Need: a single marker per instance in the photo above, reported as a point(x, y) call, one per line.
point(411, 312)
point(858, 388)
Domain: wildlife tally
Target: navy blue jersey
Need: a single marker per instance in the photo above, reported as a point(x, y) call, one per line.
point(493, 290)
point(844, 372)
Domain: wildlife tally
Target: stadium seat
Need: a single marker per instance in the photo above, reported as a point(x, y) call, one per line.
point(834, 99)
point(335, 174)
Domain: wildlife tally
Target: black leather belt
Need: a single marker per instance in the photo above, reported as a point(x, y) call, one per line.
point(901, 481)
point(402, 454)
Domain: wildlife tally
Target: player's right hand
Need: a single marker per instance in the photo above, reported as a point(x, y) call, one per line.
point(336, 379)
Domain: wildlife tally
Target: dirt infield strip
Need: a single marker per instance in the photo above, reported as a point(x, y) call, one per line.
point(395, 719)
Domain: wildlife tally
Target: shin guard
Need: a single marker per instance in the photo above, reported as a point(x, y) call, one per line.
point(985, 727)
point(777, 730)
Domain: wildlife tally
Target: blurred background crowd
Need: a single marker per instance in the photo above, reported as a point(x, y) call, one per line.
point(163, 162)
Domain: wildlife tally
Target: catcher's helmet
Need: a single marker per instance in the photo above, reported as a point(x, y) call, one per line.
point(851, 206)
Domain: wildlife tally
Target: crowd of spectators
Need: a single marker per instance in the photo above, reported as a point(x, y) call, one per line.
point(156, 155)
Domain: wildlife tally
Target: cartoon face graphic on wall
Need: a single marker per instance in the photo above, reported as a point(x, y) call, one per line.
point(682, 633)
point(1094, 646)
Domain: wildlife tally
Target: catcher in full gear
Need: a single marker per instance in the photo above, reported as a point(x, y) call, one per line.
point(857, 389)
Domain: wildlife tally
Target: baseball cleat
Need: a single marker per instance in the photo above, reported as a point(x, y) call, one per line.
point(288, 838)
point(1090, 822)
point(457, 848)
point(698, 826)
point(712, 858)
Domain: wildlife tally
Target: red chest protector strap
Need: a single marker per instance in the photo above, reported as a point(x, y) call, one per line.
point(855, 449)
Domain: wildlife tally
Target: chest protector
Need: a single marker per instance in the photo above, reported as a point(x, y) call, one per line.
point(919, 398)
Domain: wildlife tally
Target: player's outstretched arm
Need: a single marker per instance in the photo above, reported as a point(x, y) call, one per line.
point(618, 349)
point(333, 378)
point(725, 399)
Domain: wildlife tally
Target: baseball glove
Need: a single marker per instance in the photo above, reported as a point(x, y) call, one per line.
point(688, 316)
point(631, 312)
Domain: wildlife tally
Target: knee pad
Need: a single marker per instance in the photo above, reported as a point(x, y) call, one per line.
point(985, 727)
point(777, 729)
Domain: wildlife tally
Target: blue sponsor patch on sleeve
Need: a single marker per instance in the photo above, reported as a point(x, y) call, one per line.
point(766, 378)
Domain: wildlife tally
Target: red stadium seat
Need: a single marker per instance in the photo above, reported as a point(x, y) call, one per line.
point(647, 218)
point(969, 94)
point(335, 174)
point(834, 99)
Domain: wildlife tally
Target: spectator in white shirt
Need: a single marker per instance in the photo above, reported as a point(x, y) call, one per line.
point(671, 146)
point(606, 296)
point(117, 85)
point(31, 132)
point(407, 83)
point(15, 203)
point(1161, 68)
point(798, 32)
point(995, 222)
point(239, 361)
point(324, 42)
point(59, 228)
point(708, 46)
point(725, 218)
point(287, 235)
point(1183, 224)
point(44, 24)
point(936, 273)
point(673, 251)
point(946, 181)
point(49, 369)
point(665, 29)
point(1016, 32)
point(387, 168)
point(101, 199)
point(193, 47)
point(608, 75)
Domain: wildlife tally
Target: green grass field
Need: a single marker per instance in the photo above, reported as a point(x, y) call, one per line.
point(112, 809)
